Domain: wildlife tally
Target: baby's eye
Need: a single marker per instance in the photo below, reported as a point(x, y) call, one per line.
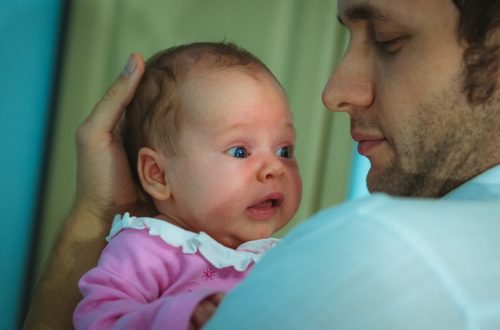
point(238, 152)
point(285, 152)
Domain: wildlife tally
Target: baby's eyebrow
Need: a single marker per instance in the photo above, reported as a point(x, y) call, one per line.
point(364, 12)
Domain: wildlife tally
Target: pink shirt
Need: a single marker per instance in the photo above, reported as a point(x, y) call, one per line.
point(153, 274)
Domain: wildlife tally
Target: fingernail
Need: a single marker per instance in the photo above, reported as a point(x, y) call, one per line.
point(130, 66)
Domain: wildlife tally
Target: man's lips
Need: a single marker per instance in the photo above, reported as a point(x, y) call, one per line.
point(364, 147)
point(267, 206)
point(366, 143)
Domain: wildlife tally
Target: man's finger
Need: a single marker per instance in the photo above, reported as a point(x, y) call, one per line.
point(109, 109)
point(203, 313)
point(217, 298)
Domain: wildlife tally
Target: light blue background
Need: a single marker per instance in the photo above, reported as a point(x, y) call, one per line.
point(359, 170)
point(29, 32)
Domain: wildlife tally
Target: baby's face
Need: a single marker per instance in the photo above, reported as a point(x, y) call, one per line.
point(235, 176)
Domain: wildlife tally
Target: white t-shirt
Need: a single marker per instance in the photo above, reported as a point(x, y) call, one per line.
point(381, 263)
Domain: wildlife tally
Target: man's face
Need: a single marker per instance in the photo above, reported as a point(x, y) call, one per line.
point(400, 82)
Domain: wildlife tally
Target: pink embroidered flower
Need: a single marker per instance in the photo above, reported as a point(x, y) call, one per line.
point(208, 274)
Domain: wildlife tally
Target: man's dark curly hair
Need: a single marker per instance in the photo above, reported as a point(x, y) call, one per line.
point(479, 21)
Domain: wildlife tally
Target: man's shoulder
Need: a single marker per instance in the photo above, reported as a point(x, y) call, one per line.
point(388, 259)
point(408, 221)
point(383, 207)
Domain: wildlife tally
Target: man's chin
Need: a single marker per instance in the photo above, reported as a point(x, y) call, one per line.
point(390, 181)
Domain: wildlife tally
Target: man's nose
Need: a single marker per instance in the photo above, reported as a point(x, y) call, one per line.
point(351, 84)
point(271, 168)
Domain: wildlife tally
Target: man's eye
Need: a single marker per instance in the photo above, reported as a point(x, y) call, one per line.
point(238, 152)
point(285, 152)
point(389, 46)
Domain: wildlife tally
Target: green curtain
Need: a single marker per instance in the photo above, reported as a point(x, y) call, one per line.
point(299, 40)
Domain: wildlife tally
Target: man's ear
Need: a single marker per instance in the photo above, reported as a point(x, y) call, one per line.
point(152, 174)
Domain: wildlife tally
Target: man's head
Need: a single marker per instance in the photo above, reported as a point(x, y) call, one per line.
point(420, 83)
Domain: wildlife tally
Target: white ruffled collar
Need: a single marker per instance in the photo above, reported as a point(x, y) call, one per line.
point(218, 255)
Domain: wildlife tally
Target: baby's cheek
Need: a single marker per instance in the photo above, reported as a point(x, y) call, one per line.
point(295, 188)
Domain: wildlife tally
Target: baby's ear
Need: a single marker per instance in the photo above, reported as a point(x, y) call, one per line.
point(152, 174)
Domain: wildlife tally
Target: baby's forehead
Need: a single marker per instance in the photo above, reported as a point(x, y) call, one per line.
point(233, 92)
point(227, 84)
point(201, 81)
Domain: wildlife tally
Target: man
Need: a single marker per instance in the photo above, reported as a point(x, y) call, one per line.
point(420, 83)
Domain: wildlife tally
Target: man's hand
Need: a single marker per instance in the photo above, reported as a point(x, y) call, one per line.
point(104, 181)
point(204, 311)
point(104, 187)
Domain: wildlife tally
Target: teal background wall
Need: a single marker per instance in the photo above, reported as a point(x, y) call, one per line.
point(29, 38)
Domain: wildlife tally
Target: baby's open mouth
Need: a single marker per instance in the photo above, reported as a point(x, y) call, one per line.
point(268, 204)
point(271, 200)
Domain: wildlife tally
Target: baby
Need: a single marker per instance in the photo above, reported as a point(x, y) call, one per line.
point(211, 139)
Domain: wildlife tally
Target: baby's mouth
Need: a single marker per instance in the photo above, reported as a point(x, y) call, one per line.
point(271, 200)
point(267, 206)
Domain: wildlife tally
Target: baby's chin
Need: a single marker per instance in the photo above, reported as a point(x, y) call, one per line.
point(235, 242)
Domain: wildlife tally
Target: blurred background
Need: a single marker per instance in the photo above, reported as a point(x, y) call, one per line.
point(59, 56)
